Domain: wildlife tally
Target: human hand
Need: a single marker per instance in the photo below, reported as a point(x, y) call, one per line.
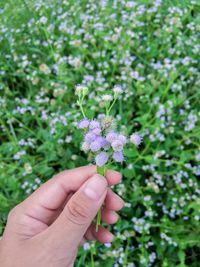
point(47, 228)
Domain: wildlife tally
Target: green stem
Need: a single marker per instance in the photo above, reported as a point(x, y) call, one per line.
point(92, 258)
point(80, 101)
point(12, 130)
point(111, 106)
point(101, 171)
point(83, 113)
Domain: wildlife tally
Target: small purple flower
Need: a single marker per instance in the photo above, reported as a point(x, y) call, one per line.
point(122, 138)
point(83, 124)
point(136, 139)
point(94, 124)
point(95, 145)
point(97, 131)
point(110, 137)
point(101, 159)
point(118, 156)
point(117, 145)
point(90, 137)
point(118, 89)
point(105, 144)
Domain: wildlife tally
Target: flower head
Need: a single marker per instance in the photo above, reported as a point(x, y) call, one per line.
point(107, 98)
point(107, 122)
point(112, 136)
point(84, 123)
point(105, 144)
point(81, 90)
point(122, 138)
point(136, 139)
point(101, 159)
point(118, 156)
point(96, 145)
point(117, 145)
point(90, 137)
point(117, 89)
point(85, 147)
point(96, 131)
point(94, 124)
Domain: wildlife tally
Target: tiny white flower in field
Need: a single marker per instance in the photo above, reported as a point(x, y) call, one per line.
point(108, 245)
point(74, 157)
point(37, 180)
point(28, 168)
point(35, 81)
point(44, 68)
point(117, 89)
point(43, 20)
point(19, 154)
point(75, 62)
point(86, 246)
point(130, 166)
point(107, 98)
point(68, 139)
point(81, 90)
point(147, 198)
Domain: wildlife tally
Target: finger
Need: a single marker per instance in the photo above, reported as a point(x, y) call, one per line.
point(113, 177)
point(102, 235)
point(113, 215)
point(109, 216)
point(113, 201)
point(44, 203)
point(70, 227)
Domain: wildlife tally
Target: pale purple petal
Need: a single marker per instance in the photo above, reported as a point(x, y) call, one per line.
point(118, 156)
point(101, 159)
point(95, 146)
point(117, 145)
point(94, 124)
point(90, 137)
point(122, 138)
point(84, 123)
point(110, 137)
point(136, 139)
point(97, 131)
point(105, 144)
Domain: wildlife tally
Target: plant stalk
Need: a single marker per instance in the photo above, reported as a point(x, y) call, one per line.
point(101, 171)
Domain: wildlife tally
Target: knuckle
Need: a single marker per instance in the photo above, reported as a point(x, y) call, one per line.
point(77, 213)
point(14, 213)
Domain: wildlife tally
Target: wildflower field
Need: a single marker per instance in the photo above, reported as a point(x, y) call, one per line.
point(144, 56)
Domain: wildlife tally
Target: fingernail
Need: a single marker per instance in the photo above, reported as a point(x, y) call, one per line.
point(96, 187)
point(110, 237)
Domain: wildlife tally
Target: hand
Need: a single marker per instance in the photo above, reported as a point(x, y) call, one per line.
point(47, 228)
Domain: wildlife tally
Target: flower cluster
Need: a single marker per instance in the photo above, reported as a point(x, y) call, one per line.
point(104, 141)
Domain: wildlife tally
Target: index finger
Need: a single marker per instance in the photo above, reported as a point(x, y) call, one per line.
point(44, 202)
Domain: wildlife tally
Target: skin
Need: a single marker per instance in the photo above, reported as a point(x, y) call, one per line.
point(47, 228)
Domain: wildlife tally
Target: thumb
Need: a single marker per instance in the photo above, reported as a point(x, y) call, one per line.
point(70, 227)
